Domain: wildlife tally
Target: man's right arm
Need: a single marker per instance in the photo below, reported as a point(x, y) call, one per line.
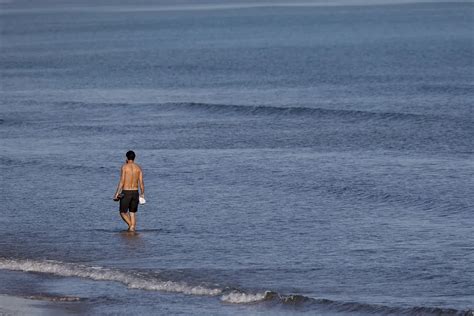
point(121, 182)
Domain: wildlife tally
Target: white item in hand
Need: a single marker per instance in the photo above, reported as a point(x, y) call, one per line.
point(141, 200)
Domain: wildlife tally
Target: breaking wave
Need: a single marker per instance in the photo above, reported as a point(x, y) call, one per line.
point(237, 297)
point(131, 280)
point(135, 280)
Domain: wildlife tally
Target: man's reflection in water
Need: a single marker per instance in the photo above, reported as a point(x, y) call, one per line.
point(132, 239)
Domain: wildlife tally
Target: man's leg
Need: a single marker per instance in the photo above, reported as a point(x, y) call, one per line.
point(126, 218)
point(124, 208)
point(133, 221)
point(133, 208)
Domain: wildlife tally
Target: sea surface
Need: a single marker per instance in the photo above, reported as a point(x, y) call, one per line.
point(299, 158)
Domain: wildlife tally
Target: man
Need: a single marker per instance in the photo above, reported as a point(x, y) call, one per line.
point(131, 176)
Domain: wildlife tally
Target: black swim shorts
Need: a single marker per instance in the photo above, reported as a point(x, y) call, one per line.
point(129, 202)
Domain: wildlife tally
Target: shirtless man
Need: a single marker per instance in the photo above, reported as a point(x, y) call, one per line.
point(131, 176)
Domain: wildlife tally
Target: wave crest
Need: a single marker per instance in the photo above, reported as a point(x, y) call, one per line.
point(237, 297)
point(131, 280)
point(134, 280)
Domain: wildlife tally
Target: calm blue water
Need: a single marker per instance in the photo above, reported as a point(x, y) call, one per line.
point(297, 159)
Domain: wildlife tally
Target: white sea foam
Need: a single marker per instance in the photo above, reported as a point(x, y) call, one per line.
point(103, 274)
point(235, 297)
point(131, 280)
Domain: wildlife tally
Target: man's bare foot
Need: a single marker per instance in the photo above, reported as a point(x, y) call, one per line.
point(131, 229)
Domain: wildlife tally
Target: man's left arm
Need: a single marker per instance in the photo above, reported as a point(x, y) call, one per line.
point(142, 184)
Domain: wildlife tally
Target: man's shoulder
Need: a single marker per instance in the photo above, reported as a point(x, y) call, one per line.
point(125, 166)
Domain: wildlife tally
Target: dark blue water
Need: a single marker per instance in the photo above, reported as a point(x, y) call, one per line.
point(297, 159)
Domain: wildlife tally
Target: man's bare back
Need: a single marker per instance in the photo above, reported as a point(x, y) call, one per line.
point(131, 178)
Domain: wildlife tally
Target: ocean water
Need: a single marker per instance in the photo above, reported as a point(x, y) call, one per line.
point(298, 158)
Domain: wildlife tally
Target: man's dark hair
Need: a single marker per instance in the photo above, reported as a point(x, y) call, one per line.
point(130, 155)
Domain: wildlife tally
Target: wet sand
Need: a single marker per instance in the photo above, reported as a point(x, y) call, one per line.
point(35, 305)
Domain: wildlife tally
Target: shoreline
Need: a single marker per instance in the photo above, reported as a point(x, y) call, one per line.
point(37, 305)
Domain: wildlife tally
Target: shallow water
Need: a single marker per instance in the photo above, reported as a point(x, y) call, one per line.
point(297, 160)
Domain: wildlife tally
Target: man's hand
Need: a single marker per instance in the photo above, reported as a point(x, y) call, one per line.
point(116, 198)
